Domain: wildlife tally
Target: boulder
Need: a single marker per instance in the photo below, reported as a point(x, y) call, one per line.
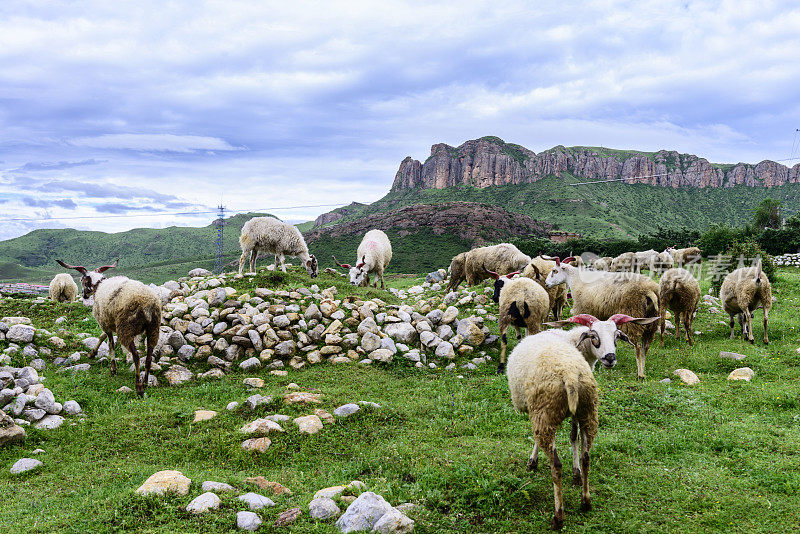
point(688, 377)
point(255, 501)
point(743, 373)
point(203, 503)
point(165, 482)
point(363, 513)
point(323, 508)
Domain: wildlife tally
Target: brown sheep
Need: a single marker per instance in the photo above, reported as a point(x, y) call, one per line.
point(503, 259)
point(680, 293)
point(537, 270)
point(742, 292)
point(457, 271)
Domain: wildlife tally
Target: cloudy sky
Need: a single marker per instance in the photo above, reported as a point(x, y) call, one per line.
point(152, 108)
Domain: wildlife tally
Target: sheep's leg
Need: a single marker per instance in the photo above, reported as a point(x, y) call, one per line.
point(519, 333)
point(135, 354)
point(576, 463)
point(93, 352)
point(558, 495)
point(639, 360)
point(253, 259)
point(148, 359)
point(533, 461)
point(733, 335)
point(678, 325)
point(276, 262)
point(766, 320)
point(662, 322)
point(111, 350)
point(586, 499)
point(242, 259)
point(383, 286)
point(283, 265)
point(748, 325)
point(687, 325)
point(501, 367)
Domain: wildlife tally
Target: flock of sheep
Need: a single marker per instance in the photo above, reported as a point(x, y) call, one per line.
point(550, 372)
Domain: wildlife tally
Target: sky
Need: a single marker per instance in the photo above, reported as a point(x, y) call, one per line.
point(115, 115)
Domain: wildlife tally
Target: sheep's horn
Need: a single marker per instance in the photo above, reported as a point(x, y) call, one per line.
point(567, 260)
point(342, 265)
point(556, 259)
point(363, 261)
point(546, 257)
point(107, 267)
point(81, 269)
point(584, 318)
point(620, 318)
point(494, 274)
point(509, 275)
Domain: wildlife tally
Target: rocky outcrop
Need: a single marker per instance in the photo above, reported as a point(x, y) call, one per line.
point(471, 221)
point(337, 214)
point(490, 161)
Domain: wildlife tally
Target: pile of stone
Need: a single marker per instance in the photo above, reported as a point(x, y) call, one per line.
point(24, 397)
point(209, 323)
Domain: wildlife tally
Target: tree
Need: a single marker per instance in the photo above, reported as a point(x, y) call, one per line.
point(768, 214)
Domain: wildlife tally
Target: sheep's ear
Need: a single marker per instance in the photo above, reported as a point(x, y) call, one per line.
point(586, 335)
point(621, 335)
point(536, 271)
point(645, 320)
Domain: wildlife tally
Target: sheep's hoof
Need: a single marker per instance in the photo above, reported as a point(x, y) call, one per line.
point(576, 477)
point(558, 520)
point(533, 464)
point(640, 378)
point(501, 368)
point(586, 504)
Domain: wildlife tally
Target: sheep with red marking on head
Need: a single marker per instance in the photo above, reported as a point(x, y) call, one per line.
point(549, 380)
point(373, 256)
point(63, 288)
point(537, 270)
point(269, 235)
point(503, 259)
point(596, 340)
point(125, 307)
point(680, 293)
point(522, 303)
point(603, 294)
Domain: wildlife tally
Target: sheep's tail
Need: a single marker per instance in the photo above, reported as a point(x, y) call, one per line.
point(758, 273)
point(572, 388)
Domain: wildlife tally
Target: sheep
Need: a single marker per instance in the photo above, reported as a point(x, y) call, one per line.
point(456, 271)
point(522, 303)
point(596, 340)
point(503, 259)
point(550, 380)
point(680, 293)
point(743, 291)
point(661, 262)
point(604, 294)
point(63, 288)
point(684, 256)
point(624, 262)
point(645, 259)
point(125, 307)
point(602, 264)
point(538, 269)
point(375, 252)
point(269, 235)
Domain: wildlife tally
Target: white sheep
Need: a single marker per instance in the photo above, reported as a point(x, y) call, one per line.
point(63, 288)
point(373, 256)
point(742, 292)
point(537, 270)
point(125, 307)
point(624, 262)
point(503, 258)
point(680, 293)
point(684, 256)
point(603, 294)
point(549, 380)
point(269, 235)
point(602, 264)
point(522, 303)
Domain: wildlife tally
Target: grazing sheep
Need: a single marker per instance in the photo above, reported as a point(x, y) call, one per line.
point(602, 264)
point(269, 235)
point(684, 256)
point(742, 292)
point(456, 271)
point(680, 293)
point(645, 259)
point(375, 253)
point(550, 380)
point(604, 294)
point(503, 259)
point(597, 341)
point(661, 262)
point(125, 307)
point(523, 303)
point(624, 262)
point(537, 270)
point(63, 288)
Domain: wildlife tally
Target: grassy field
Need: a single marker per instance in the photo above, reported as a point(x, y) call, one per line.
point(717, 456)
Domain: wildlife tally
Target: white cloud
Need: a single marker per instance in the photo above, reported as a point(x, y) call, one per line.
point(153, 142)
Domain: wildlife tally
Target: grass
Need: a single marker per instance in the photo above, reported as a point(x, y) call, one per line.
point(718, 456)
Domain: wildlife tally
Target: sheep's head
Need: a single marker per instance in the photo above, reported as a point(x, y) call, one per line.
point(601, 336)
point(358, 274)
point(558, 275)
point(311, 266)
point(499, 282)
point(89, 279)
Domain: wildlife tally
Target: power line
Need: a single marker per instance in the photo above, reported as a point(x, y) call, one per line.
point(620, 179)
point(161, 214)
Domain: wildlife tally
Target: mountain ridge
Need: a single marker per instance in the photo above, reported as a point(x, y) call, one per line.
point(490, 161)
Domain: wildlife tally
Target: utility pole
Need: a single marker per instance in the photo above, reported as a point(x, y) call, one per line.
point(220, 225)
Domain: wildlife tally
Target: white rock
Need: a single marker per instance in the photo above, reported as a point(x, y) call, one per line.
point(323, 508)
point(203, 503)
point(210, 485)
point(688, 377)
point(394, 522)
point(255, 501)
point(363, 513)
point(346, 410)
point(165, 482)
point(247, 521)
point(24, 464)
point(743, 373)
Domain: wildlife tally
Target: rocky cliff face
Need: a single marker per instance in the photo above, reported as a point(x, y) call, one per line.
point(472, 222)
point(337, 214)
point(490, 161)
